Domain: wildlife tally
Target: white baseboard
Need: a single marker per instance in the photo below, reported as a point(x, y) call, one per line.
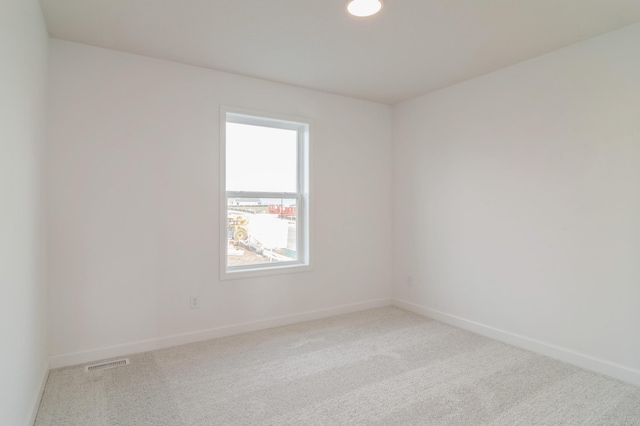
point(33, 412)
point(617, 371)
point(75, 358)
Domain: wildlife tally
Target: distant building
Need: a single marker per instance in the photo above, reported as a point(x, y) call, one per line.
point(245, 201)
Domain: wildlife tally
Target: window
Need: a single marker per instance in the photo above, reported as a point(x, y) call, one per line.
point(265, 187)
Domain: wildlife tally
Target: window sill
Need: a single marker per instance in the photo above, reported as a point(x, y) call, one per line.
point(262, 271)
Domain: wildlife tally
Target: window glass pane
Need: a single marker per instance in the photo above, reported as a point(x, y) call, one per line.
point(261, 159)
point(261, 230)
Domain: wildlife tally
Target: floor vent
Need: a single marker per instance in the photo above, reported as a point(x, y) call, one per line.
point(105, 365)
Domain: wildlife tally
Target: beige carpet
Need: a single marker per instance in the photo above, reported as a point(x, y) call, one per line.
point(383, 366)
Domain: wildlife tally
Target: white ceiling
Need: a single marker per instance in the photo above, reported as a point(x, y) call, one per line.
point(410, 48)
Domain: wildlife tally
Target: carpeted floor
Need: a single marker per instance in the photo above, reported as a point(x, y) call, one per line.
point(383, 366)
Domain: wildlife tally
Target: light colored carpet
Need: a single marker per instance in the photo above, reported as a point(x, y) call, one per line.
point(383, 366)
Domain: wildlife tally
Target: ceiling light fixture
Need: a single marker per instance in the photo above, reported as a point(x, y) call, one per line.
point(362, 8)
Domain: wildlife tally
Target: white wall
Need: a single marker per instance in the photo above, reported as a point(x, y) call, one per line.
point(517, 199)
point(23, 71)
point(133, 187)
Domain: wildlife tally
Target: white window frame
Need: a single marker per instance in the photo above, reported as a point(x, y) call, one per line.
point(303, 210)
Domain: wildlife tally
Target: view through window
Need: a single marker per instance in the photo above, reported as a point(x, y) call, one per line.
point(266, 193)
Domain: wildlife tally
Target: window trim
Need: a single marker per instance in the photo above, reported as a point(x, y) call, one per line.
point(303, 205)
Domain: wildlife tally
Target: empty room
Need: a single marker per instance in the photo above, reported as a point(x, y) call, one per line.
point(296, 212)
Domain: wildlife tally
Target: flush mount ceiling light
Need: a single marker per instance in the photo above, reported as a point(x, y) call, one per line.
point(363, 8)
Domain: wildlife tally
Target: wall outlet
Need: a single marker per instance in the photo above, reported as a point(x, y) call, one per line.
point(195, 302)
